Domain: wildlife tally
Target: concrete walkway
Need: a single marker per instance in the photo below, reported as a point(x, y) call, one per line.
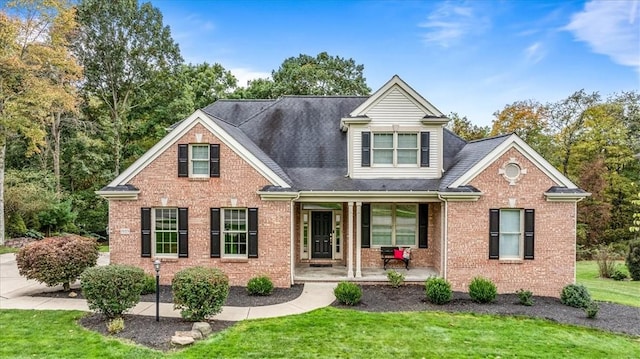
point(16, 291)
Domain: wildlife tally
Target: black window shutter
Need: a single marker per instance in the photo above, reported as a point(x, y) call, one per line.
point(145, 225)
point(424, 149)
point(253, 232)
point(529, 228)
point(423, 220)
point(494, 234)
point(183, 232)
point(183, 160)
point(366, 149)
point(214, 160)
point(215, 232)
point(365, 225)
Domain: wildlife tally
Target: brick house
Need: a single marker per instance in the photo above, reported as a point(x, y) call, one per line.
point(312, 187)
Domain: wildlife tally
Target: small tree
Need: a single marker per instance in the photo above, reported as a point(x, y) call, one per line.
point(57, 260)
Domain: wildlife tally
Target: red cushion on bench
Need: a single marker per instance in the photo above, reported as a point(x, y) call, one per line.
point(398, 254)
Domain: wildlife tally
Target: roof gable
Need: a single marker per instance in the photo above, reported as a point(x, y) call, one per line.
point(397, 86)
point(483, 160)
point(199, 117)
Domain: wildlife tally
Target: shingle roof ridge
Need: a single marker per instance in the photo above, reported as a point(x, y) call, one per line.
point(324, 96)
point(489, 138)
point(242, 100)
point(216, 117)
point(275, 101)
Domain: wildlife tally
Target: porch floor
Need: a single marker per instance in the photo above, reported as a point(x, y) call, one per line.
point(337, 273)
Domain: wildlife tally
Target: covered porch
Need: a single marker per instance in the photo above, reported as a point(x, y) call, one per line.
point(338, 240)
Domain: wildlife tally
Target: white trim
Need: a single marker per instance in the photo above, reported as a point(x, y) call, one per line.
point(514, 142)
point(119, 195)
point(198, 117)
point(350, 242)
point(366, 196)
point(414, 96)
point(358, 240)
point(345, 122)
point(292, 242)
point(277, 196)
point(461, 196)
point(566, 197)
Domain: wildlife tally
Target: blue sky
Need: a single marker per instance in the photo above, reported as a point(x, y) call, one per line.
point(469, 57)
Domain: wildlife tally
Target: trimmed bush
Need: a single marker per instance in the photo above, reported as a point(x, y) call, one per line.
point(525, 297)
point(112, 289)
point(395, 279)
point(619, 274)
point(148, 284)
point(575, 295)
point(482, 290)
point(438, 290)
point(199, 292)
point(592, 310)
point(348, 293)
point(633, 260)
point(57, 260)
point(260, 286)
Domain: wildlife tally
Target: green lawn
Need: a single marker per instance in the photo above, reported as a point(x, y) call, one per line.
point(5, 249)
point(104, 248)
point(330, 333)
point(607, 290)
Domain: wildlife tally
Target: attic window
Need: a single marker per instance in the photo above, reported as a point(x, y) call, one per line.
point(512, 171)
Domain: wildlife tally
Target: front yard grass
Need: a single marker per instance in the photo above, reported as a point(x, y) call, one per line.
point(5, 249)
point(327, 332)
point(607, 290)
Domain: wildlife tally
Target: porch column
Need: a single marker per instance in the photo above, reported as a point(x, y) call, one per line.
point(358, 240)
point(350, 243)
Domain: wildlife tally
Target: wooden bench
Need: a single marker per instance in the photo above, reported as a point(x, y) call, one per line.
point(388, 255)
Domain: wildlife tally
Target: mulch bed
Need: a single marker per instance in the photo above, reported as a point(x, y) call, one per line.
point(376, 298)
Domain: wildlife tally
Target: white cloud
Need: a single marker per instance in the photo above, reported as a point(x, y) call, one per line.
point(449, 23)
point(535, 52)
point(244, 75)
point(610, 28)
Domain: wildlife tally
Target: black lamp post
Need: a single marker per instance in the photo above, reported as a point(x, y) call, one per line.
point(156, 265)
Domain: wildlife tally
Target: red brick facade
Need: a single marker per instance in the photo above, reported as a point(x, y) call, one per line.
point(468, 233)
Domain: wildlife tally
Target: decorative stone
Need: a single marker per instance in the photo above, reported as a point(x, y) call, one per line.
point(179, 340)
point(195, 334)
point(73, 294)
point(202, 327)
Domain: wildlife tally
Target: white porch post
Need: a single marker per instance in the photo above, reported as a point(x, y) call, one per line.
point(350, 243)
point(358, 240)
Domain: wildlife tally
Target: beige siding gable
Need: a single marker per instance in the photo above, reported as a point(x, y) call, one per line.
point(396, 108)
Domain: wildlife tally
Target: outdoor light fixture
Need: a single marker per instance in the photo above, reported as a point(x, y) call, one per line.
point(156, 265)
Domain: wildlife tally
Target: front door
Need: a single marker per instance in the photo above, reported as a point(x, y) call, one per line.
point(321, 223)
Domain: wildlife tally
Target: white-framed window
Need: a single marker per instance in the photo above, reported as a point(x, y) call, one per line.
point(511, 229)
point(395, 149)
point(394, 224)
point(165, 231)
point(234, 232)
point(199, 160)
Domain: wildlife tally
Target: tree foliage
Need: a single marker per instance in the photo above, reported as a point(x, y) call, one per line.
point(462, 127)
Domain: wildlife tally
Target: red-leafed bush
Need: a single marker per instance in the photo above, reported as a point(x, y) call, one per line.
point(57, 260)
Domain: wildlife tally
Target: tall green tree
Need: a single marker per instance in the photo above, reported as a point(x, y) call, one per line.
point(321, 75)
point(208, 83)
point(527, 119)
point(123, 46)
point(462, 127)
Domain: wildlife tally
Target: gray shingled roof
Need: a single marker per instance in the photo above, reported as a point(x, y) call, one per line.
point(468, 157)
point(236, 111)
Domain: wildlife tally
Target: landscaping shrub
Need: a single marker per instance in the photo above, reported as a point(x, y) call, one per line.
point(619, 273)
point(575, 295)
point(148, 284)
point(633, 260)
point(112, 289)
point(525, 297)
point(115, 325)
point(438, 290)
point(482, 290)
point(606, 262)
point(199, 292)
point(396, 279)
point(348, 293)
point(57, 260)
point(592, 310)
point(260, 286)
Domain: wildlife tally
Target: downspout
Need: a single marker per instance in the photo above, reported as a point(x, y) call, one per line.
point(292, 254)
point(445, 235)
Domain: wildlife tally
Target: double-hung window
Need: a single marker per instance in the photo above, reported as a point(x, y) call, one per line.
point(199, 160)
point(166, 231)
point(511, 233)
point(234, 232)
point(395, 149)
point(394, 224)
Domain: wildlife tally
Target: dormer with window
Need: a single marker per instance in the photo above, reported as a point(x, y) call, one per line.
point(396, 133)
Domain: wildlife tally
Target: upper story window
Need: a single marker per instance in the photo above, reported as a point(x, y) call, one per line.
point(395, 149)
point(199, 160)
